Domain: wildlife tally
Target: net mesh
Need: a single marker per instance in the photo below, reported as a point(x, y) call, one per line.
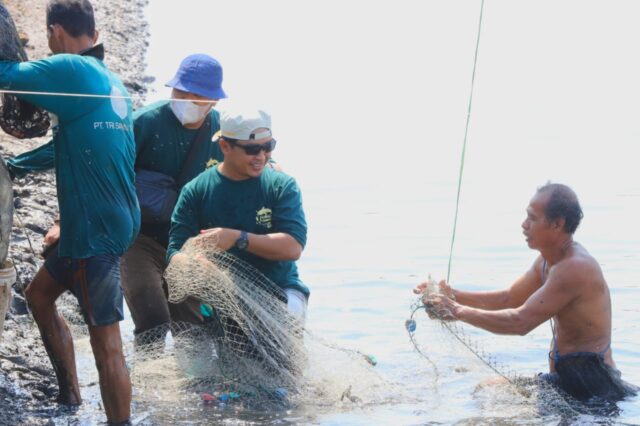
point(581, 388)
point(244, 347)
point(17, 117)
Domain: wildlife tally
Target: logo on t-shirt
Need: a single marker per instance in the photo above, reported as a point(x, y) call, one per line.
point(263, 217)
point(118, 103)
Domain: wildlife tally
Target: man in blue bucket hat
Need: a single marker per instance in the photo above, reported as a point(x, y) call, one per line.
point(199, 74)
point(173, 140)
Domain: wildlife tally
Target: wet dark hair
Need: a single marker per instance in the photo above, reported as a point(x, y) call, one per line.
point(563, 203)
point(75, 16)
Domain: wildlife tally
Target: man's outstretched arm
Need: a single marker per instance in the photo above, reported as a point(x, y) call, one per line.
point(543, 304)
point(36, 160)
point(511, 297)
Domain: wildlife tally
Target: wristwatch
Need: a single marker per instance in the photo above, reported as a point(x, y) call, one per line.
point(243, 242)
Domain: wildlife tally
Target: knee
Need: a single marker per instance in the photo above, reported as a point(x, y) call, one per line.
point(110, 365)
point(109, 359)
point(108, 353)
point(42, 291)
point(34, 296)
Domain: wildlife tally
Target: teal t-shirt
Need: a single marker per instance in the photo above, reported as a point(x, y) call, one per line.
point(162, 145)
point(94, 151)
point(162, 142)
point(267, 204)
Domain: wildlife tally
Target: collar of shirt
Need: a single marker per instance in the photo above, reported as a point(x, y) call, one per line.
point(96, 51)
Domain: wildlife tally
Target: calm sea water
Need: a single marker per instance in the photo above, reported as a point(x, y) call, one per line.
point(369, 101)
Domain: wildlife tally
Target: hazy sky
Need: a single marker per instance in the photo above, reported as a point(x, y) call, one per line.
point(369, 99)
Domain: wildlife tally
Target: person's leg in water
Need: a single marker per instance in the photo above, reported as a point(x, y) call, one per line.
point(115, 385)
point(42, 294)
point(142, 267)
point(96, 284)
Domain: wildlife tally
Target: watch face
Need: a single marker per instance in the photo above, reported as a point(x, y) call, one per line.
point(243, 241)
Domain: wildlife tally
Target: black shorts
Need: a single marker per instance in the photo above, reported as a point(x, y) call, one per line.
point(95, 281)
point(584, 375)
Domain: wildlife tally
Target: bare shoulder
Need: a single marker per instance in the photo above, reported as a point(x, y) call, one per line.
point(578, 266)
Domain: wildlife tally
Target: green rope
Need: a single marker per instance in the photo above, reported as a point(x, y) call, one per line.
point(464, 145)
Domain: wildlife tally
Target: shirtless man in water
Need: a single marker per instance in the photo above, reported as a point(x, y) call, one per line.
point(565, 284)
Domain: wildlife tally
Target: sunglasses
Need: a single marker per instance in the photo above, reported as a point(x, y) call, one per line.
point(254, 148)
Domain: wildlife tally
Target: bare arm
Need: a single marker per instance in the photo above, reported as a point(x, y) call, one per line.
point(543, 304)
point(276, 246)
point(511, 297)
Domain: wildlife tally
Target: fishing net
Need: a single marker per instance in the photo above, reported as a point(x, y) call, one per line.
point(244, 347)
point(585, 385)
point(17, 117)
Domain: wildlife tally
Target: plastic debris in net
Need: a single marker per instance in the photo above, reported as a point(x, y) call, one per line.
point(18, 118)
point(244, 349)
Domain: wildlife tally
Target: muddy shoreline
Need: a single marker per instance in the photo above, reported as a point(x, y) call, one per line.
point(27, 383)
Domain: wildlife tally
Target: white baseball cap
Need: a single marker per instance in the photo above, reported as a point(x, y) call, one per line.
point(242, 123)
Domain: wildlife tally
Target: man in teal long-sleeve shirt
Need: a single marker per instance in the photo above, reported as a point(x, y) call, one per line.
point(99, 213)
point(164, 134)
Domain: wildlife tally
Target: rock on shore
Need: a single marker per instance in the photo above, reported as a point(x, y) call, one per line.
point(27, 383)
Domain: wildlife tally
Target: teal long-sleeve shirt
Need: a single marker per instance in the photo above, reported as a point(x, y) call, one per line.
point(162, 145)
point(93, 150)
point(267, 204)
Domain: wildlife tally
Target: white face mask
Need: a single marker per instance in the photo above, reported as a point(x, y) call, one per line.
point(188, 112)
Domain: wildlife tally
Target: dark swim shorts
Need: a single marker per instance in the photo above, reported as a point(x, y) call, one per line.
point(95, 281)
point(584, 375)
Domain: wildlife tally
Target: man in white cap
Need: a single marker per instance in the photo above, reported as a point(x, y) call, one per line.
point(246, 208)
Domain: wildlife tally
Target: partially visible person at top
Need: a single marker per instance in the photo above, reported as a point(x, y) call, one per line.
point(565, 285)
point(99, 213)
point(244, 207)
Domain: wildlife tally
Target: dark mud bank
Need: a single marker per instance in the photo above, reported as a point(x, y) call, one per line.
point(27, 383)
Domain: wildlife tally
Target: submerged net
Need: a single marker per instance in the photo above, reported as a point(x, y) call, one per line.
point(17, 117)
point(585, 385)
point(242, 346)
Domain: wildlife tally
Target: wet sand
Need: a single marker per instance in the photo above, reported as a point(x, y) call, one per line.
point(27, 383)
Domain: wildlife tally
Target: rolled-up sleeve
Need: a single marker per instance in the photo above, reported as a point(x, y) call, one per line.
point(288, 215)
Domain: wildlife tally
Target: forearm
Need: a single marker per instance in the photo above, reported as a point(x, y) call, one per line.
point(504, 321)
point(486, 300)
point(277, 246)
point(39, 159)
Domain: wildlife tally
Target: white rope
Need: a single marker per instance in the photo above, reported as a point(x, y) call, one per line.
point(91, 95)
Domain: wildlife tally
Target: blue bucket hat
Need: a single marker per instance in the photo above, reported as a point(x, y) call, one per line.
point(199, 74)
